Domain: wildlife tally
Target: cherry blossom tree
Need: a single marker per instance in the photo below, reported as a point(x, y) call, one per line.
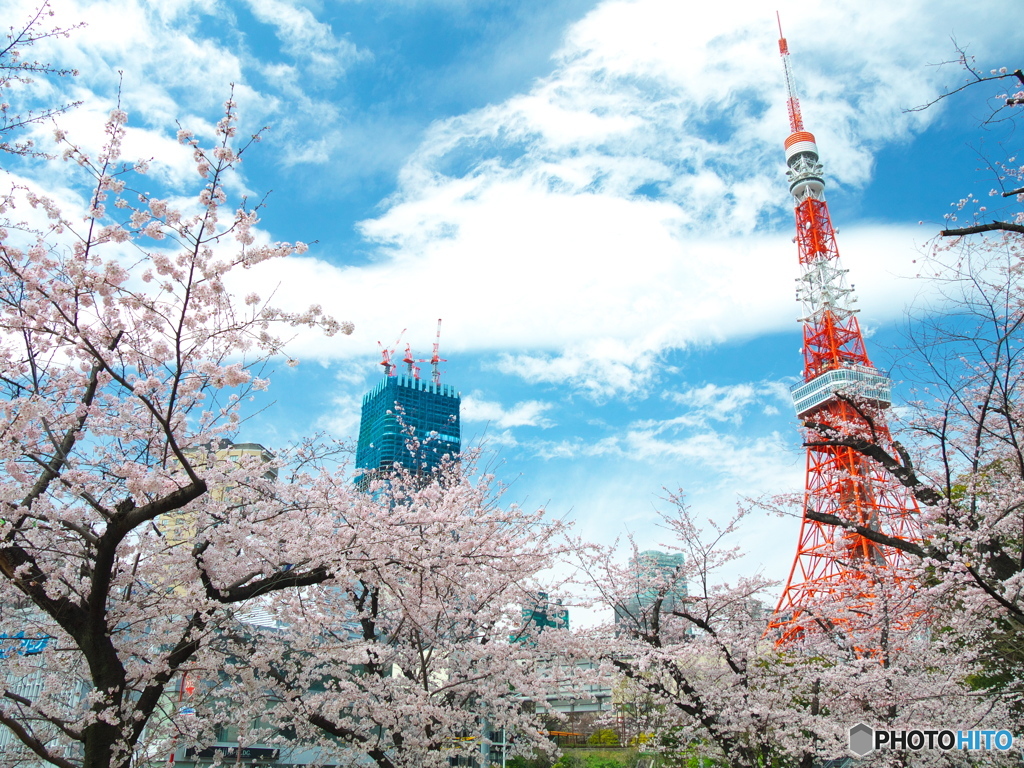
point(695, 656)
point(135, 555)
point(17, 73)
point(968, 471)
point(123, 361)
point(421, 653)
point(729, 693)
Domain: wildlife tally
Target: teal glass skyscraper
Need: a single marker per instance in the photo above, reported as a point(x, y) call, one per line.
point(409, 422)
point(659, 576)
point(538, 615)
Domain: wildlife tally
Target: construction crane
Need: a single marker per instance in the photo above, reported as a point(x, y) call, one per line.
point(436, 359)
point(410, 362)
point(388, 354)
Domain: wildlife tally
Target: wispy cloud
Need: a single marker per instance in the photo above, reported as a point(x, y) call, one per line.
point(716, 403)
point(171, 66)
point(322, 55)
point(176, 62)
point(730, 403)
point(529, 413)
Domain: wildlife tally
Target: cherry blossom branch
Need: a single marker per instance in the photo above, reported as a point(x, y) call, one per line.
point(187, 646)
point(33, 743)
point(278, 581)
point(15, 69)
point(56, 721)
point(377, 754)
point(71, 435)
point(903, 472)
point(965, 62)
point(921, 552)
point(730, 746)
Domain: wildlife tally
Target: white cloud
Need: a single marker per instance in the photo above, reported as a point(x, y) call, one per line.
point(718, 403)
point(159, 49)
point(713, 459)
point(309, 41)
point(345, 411)
point(630, 203)
point(591, 305)
point(633, 201)
point(529, 413)
point(342, 418)
point(490, 440)
point(176, 61)
point(603, 367)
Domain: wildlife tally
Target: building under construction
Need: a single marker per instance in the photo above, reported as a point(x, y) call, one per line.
point(407, 421)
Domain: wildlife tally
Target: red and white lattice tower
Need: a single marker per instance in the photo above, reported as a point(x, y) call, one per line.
point(842, 394)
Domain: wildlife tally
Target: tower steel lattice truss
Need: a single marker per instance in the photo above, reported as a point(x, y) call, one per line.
point(842, 394)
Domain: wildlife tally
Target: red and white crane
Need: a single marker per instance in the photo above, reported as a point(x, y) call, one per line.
point(388, 354)
point(436, 359)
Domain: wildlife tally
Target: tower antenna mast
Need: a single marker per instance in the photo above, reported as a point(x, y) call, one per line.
point(796, 120)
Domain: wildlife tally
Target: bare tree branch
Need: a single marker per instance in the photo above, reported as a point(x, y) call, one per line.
point(995, 226)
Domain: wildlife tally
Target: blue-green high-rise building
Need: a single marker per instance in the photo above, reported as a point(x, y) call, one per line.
point(401, 408)
point(658, 576)
point(540, 614)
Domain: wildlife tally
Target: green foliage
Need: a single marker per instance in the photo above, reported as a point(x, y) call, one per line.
point(539, 760)
point(1002, 662)
point(604, 737)
point(677, 751)
point(521, 762)
point(596, 759)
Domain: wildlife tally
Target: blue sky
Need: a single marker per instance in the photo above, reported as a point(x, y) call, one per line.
point(590, 193)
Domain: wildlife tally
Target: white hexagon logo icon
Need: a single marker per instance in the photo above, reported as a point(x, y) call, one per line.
point(862, 739)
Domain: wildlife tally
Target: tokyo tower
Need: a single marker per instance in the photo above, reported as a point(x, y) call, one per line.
point(842, 394)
